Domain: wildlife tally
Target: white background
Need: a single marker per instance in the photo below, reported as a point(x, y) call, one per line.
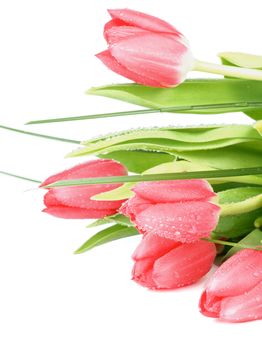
point(50, 298)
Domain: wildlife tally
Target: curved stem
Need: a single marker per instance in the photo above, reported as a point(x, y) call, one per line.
point(230, 71)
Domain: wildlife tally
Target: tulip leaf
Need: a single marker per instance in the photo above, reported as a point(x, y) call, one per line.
point(245, 60)
point(107, 235)
point(116, 219)
point(252, 240)
point(203, 145)
point(191, 93)
point(236, 225)
point(139, 161)
point(241, 59)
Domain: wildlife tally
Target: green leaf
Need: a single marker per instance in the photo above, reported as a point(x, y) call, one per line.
point(193, 92)
point(242, 59)
point(252, 240)
point(231, 226)
point(210, 174)
point(107, 235)
point(194, 96)
point(138, 161)
point(203, 145)
point(112, 219)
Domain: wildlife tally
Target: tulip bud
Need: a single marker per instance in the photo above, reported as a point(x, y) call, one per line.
point(145, 49)
point(162, 263)
point(176, 209)
point(234, 292)
point(151, 52)
point(74, 202)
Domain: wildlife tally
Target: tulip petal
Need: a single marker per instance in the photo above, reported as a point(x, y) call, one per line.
point(93, 168)
point(142, 273)
point(134, 206)
point(111, 24)
point(184, 222)
point(242, 308)
point(79, 196)
point(153, 246)
point(77, 213)
point(184, 265)
point(116, 67)
point(174, 190)
point(239, 274)
point(209, 307)
point(162, 57)
point(142, 20)
point(116, 33)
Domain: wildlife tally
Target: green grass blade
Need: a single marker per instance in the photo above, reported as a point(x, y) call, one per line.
point(202, 108)
point(20, 177)
point(39, 135)
point(158, 177)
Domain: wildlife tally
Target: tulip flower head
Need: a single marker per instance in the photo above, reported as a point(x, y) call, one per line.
point(178, 209)
point(152, 52)
point(75, 202)
point(162, 263)
point(234, 292)
point(145, 49)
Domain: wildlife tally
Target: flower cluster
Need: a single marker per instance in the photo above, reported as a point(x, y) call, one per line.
point(175, 219)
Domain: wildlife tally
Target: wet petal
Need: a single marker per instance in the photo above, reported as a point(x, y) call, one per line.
point(118, 68)
point(183, 265)
point(153, 246)
point(93, 168)
point(142, 20)
point(242, 308)
point(116, 33)
point(185, 222)
point(237, 275)
point(77, 213)
point(79, 197)
point(142, 273)
point(161, 57)
point(175, 190)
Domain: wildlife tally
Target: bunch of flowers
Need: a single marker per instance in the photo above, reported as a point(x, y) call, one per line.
point(193, 194)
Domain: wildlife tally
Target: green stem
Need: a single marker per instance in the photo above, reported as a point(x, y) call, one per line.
point(20, 177)
point(230, 71)
point(159, 177)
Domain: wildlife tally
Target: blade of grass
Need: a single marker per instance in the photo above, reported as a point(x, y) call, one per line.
point(159, 177)
point(40, 135)
point(19, 177)
point(174, 109)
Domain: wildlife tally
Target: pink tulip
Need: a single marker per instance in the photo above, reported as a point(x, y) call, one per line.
point(177, 209)
point(234, 292)
point(162, 263)
point(145, 49)
point(75, 202)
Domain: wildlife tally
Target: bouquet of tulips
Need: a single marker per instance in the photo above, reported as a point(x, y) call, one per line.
point(194, 194)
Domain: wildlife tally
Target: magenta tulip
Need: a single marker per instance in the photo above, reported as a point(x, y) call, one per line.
point(145, 49)
point(162, 263)
point(75, 202)
point(234, 292)
point(176, 209)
